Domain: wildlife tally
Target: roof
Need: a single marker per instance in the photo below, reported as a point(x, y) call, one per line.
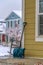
point(12, 15)
point(2, 22)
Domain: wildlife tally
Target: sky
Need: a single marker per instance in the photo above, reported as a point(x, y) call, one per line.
point(6, 6)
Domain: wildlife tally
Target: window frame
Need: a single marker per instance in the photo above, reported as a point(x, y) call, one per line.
point(37, 37)
point(8, 24)
point(11, 24)
point(23, 18)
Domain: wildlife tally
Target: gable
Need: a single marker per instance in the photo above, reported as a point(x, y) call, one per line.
point(12, 15)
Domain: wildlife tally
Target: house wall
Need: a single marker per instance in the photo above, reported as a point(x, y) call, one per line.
point(32, 48)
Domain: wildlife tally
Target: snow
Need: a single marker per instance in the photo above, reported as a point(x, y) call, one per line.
point(4, 50)
point(18, 12)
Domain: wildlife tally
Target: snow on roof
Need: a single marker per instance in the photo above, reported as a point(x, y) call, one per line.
point(18, 12)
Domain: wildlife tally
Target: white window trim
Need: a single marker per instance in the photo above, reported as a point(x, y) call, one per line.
point(37, 38)
point(23, 11)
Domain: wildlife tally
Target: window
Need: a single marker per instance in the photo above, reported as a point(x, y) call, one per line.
point(41, 6)
point(18, 21)
point(41, 25)
point(6, 38)
point(8, 24)
point(11, 23)
point(39, 20)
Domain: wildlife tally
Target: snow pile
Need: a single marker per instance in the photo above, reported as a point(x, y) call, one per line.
point(4, 50)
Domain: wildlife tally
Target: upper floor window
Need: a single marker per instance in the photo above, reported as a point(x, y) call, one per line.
point(8, 24)
point(41, 6)
point(18, 21)
point(11, 23)
point(39, 20)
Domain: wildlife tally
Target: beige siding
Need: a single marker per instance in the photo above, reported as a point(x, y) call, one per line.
point(33, 48)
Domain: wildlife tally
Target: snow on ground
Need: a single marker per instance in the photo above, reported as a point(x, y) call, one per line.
point(4, 51)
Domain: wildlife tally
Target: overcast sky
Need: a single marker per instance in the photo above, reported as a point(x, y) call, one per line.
point(6, 6)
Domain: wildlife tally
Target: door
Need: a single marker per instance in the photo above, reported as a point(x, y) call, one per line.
point(3, 38)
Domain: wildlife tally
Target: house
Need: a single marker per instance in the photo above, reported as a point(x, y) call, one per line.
point(11, 20)
point(33, 35)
